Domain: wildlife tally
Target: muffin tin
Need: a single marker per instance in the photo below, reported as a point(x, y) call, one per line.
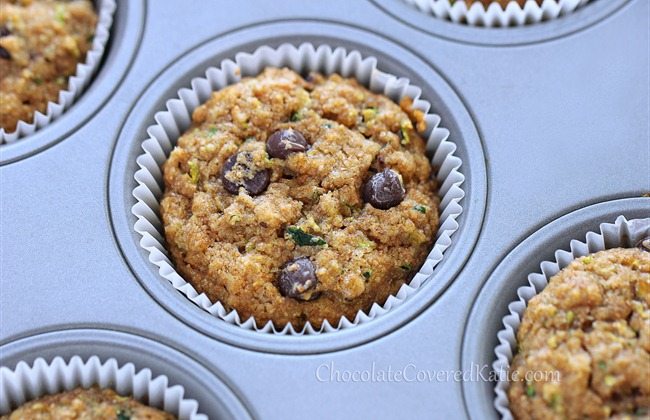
point(548, 125)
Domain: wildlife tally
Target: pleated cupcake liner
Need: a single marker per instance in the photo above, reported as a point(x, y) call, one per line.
point(76, 83)
point(622, 233)
point(29, 382)
point(172, 122)
point(495, 15)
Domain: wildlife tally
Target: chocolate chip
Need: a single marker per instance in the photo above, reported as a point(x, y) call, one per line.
point(240, 165)
point(284, 142)
point(4, 31)
point(644, 244)
point(4, 54)
point(384, 190)
point(298, 280)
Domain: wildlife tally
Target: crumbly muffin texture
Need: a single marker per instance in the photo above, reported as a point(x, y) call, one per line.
point(592, 325)
point(86, 404)
point(41, 43)
point(234, 247)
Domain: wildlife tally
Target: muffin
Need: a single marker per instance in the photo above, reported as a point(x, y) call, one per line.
point(41, 43)
point(299, 200)
point(91, 403)
point(584, 341)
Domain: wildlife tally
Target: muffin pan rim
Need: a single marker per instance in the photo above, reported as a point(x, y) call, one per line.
point(478, 397)
point(247, 40)
point(582, 19)
point(123, 43)
point(128, 347)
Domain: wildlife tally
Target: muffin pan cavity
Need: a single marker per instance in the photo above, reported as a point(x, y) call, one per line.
point(434, 90)
point(124, 39)
point(304, 58)
point(215, 399)
point(486, 317)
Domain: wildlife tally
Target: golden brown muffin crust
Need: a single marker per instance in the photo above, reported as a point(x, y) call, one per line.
point(592, 325)
point(232, 247)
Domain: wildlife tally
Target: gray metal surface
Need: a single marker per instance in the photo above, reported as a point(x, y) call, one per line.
point(556, 123)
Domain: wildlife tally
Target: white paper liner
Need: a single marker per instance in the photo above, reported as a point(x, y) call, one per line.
point(26, 383)
point(177, 118)
point(76, 83)
point(620, 234)
point(494, 15)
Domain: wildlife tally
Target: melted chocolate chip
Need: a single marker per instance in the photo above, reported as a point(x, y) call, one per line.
point(644, 244)
point(253, 180)
point(298, 280)
point(284, 142)
point(4, 31)
point(384, 190)
point(4, 54)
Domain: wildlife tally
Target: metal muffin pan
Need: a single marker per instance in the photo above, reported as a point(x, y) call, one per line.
point(544, 128)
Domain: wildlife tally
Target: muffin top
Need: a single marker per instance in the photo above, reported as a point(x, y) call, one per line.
point(296, 200)
point(41, 43)
point(92, 403)
point(591, 324)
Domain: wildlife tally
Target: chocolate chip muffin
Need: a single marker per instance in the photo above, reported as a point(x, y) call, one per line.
point(300, 200)
point(41, 43)
point(590, 326)
point(92, 403)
